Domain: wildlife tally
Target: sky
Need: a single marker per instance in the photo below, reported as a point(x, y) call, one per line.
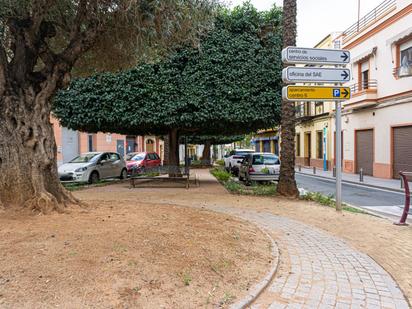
point(317, 18)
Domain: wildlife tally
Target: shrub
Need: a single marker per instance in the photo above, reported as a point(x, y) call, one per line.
point(220, 162)
point(220, 174)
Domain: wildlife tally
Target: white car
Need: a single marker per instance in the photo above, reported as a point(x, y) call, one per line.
point(259, 166)
point(92, 166)
point(234, 158)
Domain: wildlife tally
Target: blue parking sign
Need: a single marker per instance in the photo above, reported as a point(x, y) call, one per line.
point(336, 93)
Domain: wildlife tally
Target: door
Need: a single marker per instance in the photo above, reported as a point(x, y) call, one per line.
point(104, 166)
point(402, 150)
point(70, 144)
point(308, 149)
point(120, 147)
point(364, 151)
point(115, 166)
point(257, 146)
point(130, 144)
point(266, 146)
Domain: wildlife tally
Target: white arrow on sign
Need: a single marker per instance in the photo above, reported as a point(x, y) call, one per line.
point(315, 75)
point(315, 55)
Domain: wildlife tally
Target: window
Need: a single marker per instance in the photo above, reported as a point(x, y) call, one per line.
point(265, 160)
point(319, 143)
point(318, 108)
point(90, 142)
point(298, 145)
point(114, 157)
point(364, 75)
point(405, 59)
point(152, 156)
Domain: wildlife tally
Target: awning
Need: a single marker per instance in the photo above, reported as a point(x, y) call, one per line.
point(400, 36)
point(364, 55)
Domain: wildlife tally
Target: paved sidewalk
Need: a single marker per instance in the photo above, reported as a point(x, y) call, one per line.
point(390, 184)
point(319, 270)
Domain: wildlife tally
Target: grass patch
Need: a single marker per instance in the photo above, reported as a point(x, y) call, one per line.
point(237, 187)
point(73, 186)
point(329, 200)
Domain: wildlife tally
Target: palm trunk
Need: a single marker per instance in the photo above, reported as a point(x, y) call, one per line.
point(206, 153)
point(287, 184)
point(28, 168)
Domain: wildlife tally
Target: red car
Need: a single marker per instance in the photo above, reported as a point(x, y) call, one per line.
point(139, 162)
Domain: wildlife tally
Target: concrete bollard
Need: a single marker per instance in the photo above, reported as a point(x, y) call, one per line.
point(361, 175)
point(402, 184)
point(300, 167)
point(314, 170)
point(334, 171)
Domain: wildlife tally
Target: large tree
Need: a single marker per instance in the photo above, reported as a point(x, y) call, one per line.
point(40, 43)
point(208, 141)
point(287, 184)
point(230, 85)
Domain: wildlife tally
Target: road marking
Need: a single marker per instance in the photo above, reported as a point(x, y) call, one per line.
point(352, 184)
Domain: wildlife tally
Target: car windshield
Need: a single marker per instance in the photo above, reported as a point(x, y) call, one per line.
point(135, 157)
point(265, 160)
point(84, 158)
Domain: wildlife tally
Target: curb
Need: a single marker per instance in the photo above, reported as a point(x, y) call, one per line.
point(354, 182)
point(263, 284)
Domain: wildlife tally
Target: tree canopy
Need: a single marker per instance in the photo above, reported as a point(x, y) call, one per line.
point(230, 85)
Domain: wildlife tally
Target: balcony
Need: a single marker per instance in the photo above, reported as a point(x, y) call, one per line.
point(369, 19)
point(403, 71)
point(364, 94)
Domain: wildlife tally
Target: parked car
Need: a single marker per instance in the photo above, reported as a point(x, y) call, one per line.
point(139, 162)
point(92, 166)
point(261, 166)
point(234, 158)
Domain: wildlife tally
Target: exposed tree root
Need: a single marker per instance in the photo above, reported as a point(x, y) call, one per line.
point(46, 203)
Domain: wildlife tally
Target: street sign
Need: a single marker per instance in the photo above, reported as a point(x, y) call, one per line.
point(315, 55)
point(315, 93)
point(315, 75)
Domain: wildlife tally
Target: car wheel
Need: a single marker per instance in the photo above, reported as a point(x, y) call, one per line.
point(123, 174)
point(94, 177)
point(247, 182)
point(241, 178)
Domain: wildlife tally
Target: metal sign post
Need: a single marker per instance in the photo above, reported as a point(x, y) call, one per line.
point(338, 120)
point(337, 93)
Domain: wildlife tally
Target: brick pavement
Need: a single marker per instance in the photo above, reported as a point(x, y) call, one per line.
point(320, 270)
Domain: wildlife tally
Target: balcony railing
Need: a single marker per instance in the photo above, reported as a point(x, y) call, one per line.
point(371, 84)
point(370, 18)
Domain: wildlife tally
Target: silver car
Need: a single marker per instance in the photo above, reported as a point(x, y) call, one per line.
point(259, 166)
point(92, 166)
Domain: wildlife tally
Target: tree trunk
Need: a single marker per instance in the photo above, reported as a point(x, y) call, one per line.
point(28, 168)
point(206, 153)
point(287, 184)
point(173, 159)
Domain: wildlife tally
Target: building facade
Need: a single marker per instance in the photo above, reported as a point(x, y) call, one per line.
point(71, 143)
point(266, 141)
point(377, 120)
point(314, 124)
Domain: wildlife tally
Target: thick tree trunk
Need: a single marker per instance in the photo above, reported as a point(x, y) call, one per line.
point(287, 184)
point(206, 153)
point(28, 168)
point(173, 159)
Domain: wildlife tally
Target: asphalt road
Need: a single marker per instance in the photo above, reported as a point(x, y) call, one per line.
point(383, 201)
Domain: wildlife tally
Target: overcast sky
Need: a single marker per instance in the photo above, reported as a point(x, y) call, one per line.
point(318, 18)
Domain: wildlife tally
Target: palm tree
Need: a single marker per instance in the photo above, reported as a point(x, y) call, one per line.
point(287, 184)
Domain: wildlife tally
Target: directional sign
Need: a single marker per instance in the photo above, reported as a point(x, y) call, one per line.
point(315, 56)
point(315, 75)
point(315, 93)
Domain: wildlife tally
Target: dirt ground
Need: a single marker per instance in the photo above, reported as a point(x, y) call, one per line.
point(388, 244)
point(125, 253)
